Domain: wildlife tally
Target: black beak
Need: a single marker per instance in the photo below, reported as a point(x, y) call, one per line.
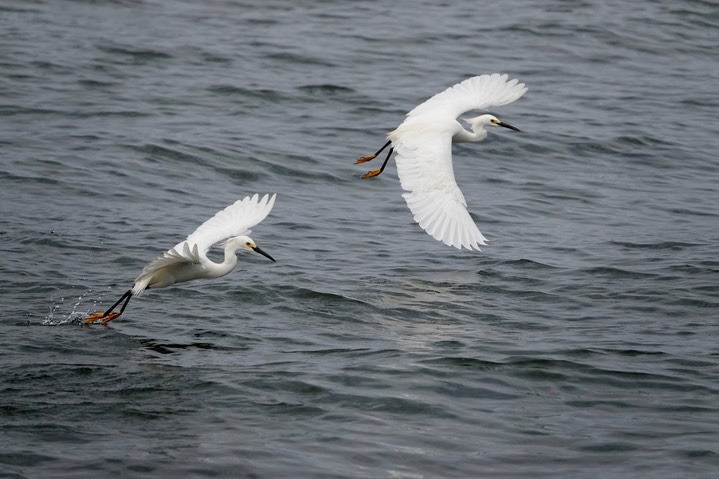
point(507, 125)
point(257, 249)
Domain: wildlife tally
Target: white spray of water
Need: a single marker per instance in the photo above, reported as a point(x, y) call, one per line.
point(74, 316)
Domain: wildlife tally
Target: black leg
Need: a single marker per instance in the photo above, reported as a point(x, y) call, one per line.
point(373, 173)
point(128, 295)
point(365, 159)
point(108, 315)
point(383, 147)
point(381, 169)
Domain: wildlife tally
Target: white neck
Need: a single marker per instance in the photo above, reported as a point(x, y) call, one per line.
point(215, 270)
point(479, 133)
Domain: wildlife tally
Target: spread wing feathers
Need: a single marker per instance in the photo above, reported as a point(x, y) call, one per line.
point(424, 167)
point(476, 93)
point(235, 220)
point(180, 253)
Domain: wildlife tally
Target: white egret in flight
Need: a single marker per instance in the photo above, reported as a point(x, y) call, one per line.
point(423, 143)
point(188, 259)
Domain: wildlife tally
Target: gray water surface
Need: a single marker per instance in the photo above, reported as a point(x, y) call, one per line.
point(580, 343)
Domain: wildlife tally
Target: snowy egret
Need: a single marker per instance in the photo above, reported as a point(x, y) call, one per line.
point(188, 259)
point(423, 143)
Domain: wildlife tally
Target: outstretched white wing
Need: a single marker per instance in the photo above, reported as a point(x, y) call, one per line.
point(476, 93)
point(423, 146)
point(424, 166)
point(235, 220)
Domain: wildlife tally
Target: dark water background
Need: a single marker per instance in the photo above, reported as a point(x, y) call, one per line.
point(581, 343)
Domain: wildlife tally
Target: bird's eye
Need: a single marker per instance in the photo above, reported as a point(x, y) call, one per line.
point(248, 243)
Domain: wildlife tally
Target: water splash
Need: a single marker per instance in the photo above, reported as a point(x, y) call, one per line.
point(74, 316)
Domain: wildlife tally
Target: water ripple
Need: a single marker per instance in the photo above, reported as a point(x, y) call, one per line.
point(578, 343)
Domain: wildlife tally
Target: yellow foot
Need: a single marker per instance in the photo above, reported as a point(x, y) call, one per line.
point(94, 317)
point(371, 174)
point(110, 317)
point(365, 159)
point(100, 316)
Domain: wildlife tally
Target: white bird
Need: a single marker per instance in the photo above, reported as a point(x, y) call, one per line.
point(423, 143)
point(188, 259)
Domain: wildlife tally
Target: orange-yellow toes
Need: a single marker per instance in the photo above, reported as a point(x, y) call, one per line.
point(100, 316)
point(93, 317)
point(365, 159)
point(110, 317)
point(371, 174)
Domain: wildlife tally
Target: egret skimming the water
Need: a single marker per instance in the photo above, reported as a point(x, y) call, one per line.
point(423, 143)
point(188, 259)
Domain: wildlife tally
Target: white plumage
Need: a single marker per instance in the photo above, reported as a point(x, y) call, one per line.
point(178, 261)
point(423, 146)
point(475, 93)
point(188, 260)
